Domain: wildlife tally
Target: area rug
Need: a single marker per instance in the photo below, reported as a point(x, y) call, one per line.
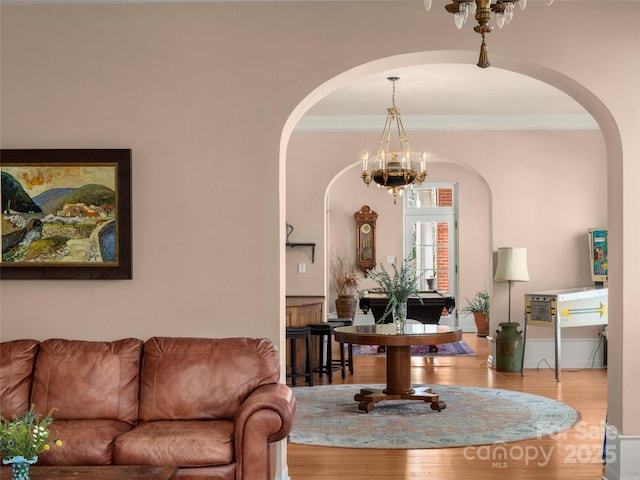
point(456, 349)
point(329, 416)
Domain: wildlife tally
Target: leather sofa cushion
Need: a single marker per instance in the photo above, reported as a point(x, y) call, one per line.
point(188, 443)
point(203, 379)
point(84, 442)
point(17, 360)
point(83, 380)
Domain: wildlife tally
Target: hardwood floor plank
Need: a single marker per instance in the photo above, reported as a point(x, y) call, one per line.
point(574, 454)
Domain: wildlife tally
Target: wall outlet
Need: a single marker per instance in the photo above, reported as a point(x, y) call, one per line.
point(302, 267)
point(391, 259)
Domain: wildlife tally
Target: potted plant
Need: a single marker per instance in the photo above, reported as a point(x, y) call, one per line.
point(479, 307)
point(22, 439)
point(398, 288)
point(432, 282)
point(345, 278)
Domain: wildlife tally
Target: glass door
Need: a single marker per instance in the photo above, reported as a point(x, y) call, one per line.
point(431, 236)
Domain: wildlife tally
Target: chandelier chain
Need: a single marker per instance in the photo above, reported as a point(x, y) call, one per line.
point(393, 91)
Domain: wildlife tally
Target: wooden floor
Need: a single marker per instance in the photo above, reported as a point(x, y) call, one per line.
point(575, 454)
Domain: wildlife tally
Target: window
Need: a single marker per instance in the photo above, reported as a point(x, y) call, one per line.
point(430, 235)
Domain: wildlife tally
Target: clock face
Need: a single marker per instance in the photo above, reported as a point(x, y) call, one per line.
point(365, 228)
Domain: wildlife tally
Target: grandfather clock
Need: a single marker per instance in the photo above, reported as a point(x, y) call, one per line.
point(365, 238)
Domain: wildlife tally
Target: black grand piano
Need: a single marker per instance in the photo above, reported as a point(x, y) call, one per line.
point(429, 310)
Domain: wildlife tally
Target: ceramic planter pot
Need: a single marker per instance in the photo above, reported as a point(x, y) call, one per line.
point(482, 323)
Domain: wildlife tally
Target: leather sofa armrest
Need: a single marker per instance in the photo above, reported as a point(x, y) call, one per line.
point(265, 416)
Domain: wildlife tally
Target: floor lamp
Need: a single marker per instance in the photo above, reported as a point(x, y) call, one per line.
point(512, 267)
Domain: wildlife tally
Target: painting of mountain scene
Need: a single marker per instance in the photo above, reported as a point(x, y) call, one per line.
point(59, 214)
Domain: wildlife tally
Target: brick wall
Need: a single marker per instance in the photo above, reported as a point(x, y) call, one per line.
point(442, 260)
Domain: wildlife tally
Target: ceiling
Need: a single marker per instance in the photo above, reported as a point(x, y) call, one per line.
point(449, 97)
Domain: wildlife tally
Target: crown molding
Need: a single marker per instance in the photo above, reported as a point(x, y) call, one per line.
point(438, 123)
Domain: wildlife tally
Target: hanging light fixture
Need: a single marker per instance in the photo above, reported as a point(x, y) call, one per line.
point(393, 166)
point(482, 9)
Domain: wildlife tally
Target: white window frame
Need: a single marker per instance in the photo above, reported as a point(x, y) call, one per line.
point(435, 214)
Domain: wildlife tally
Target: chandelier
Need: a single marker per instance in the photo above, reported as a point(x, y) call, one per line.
point(482, 9)
point(393, 166)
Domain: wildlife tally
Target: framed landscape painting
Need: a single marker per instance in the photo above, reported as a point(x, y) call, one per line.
point(66, 214)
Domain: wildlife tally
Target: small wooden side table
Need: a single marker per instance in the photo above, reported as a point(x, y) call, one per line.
point(102, 472)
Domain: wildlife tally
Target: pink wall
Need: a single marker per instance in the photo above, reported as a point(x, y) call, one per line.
point(540, 190)
point(204, 93)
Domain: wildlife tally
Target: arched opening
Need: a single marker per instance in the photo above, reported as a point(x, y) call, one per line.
point(473, 249)
point(609, 139)
point(576, 91)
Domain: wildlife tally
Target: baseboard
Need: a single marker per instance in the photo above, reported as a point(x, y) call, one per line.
point(574, 353)
point(623, 461)
point(465, 322)
point(283, 476)
point(539, 352)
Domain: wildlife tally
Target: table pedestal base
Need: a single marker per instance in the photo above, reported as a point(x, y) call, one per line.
point(368, 397)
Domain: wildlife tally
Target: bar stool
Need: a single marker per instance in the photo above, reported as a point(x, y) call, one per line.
point(324, 331)
point(294, 334)
point(347, 322)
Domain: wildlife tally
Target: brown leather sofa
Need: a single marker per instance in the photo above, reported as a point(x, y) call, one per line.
point(212, 407)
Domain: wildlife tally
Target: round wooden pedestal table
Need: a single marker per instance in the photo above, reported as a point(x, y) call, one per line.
point(398, 347)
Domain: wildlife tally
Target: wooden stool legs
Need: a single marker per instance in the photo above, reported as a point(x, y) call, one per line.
point(324, 330)
point(293, 334)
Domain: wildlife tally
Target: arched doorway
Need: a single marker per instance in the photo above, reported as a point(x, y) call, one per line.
point(576, 91)
point(608, 130)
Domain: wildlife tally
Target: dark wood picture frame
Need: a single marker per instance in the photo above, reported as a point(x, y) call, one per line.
point(39, 169)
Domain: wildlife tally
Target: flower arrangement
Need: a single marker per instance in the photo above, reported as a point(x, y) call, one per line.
point(344, 276)
point(24, 437)
point(398, 288)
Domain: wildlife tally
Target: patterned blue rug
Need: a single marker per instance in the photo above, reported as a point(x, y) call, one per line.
point(329, 416)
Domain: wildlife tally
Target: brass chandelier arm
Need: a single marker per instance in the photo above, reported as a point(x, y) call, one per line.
point(405, 149)
point(393, 167)
point(502, 9)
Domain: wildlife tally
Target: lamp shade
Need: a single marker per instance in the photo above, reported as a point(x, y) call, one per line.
point(512, 265)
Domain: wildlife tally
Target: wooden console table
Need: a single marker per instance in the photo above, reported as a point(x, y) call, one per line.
point(302, 311)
